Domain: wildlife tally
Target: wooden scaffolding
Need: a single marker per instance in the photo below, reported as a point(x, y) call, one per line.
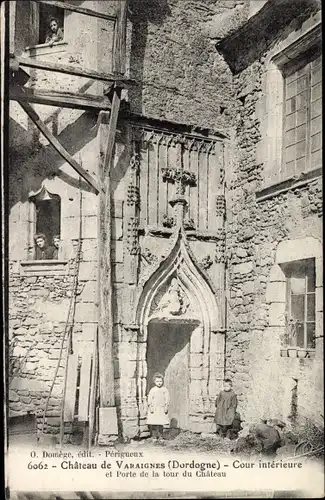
point(108, 105)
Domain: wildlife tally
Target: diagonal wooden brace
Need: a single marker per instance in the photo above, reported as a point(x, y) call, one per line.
point(58, 146)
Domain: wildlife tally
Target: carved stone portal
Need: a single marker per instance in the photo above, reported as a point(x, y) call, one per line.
point(174, 301)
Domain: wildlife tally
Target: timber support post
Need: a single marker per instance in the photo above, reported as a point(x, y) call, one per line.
point(107, 416)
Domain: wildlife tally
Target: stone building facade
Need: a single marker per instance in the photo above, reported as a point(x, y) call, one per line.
point(208, 221)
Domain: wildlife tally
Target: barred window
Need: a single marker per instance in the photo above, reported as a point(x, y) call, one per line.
point(300, 306)
point(302, 138)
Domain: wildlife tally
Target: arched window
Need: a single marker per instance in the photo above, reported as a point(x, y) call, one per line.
point(45, 221)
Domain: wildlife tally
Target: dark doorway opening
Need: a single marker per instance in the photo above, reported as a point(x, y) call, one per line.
point(168, 350)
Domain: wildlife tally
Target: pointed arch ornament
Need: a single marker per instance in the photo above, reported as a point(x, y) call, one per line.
point(180, 263)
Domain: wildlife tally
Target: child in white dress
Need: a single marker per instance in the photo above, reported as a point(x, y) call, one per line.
point(158, 405)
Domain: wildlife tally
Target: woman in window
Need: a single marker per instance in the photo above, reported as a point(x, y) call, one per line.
point(55, 34)
point(42, 251)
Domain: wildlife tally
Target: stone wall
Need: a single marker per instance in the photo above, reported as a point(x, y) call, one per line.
point(267, 384)
point(182, 77)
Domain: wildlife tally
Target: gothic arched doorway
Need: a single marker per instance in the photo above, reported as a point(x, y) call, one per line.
point(168, 352)
point(179, 321)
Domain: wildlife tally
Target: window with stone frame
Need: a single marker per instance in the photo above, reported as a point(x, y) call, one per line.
point(46, 13)
point(37, 19)
point(45, 218)
point(301, 304)
point(302, 114)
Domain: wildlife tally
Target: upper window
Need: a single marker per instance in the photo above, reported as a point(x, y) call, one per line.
point(300, 303)
point(46, 225)
point(302, 137)
point(51, 24)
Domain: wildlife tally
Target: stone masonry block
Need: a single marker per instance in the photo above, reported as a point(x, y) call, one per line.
point(89, 249)
point(89, 229)
point(86, 313)
point(196, 345)
point(87, 271)
point(117, 229)
point(248, 288)
point(117, 209)
point(89, 292)
point(276, 291)
point(195, 389)
point(196, 360)
point(53, 311)
point(277, 274)
point(88, 331)
point(319, 299)
point(118, 273)
point(244, 268)
point(196, 373)
point(276, 314)
point(117, 252)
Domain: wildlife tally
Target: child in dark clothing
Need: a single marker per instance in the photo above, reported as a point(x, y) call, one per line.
point(226, 404)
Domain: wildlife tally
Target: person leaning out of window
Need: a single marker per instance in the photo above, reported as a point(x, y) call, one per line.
point(43, 251)
point(62, 250)
point(54, 34)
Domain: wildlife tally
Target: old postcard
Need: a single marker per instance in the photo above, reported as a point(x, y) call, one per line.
point(162, 196)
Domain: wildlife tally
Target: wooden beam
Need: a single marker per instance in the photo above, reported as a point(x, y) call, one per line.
point(116, 102)
point(57, 146)
point(120, 40)
point(70, 395)
point(63, 99)
point(78, 10)
point(93, 392)
point(105, 316)
point(105, 285)
point(70, 70)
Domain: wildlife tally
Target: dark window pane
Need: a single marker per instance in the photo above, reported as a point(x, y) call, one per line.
point(289, 168)
point(311, 335)
point(291, 106)
point(316, 75)
point(298, 307)
point(291, 89)
point(298, 285)
point(301, 84)
point(300, 341)
point(301, 165)
point(290, 153)
point(311, 307)
point(301, 149)
point(311, 278)
point(302, 99)
point(316, 142)
point(316, 125)
point(316, 158)
point(301, 116)
point(301, 132)
point(316, 108)
point(291, 121)
point(316, 92)
point(290, 137)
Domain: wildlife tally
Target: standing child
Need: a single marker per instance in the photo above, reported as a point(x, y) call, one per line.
point(226, 404)
point(158, 404)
